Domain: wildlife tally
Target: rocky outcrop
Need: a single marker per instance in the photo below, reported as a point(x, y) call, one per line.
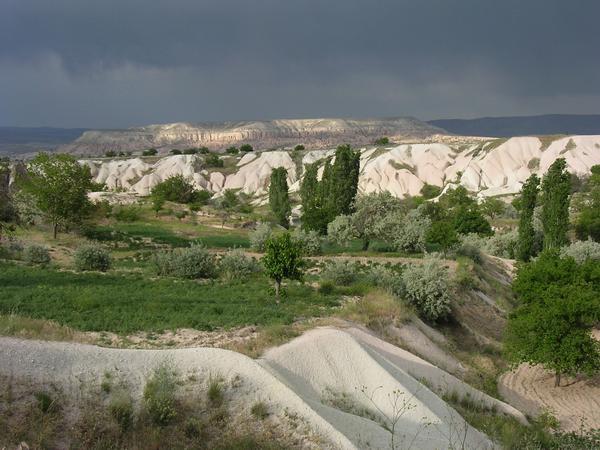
point(316, 133)
point(488, 168)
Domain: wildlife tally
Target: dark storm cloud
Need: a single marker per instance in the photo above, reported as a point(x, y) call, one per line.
point(116, 63)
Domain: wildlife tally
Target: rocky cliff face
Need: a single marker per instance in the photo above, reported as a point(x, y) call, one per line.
point(488, 168)
point(315, 133)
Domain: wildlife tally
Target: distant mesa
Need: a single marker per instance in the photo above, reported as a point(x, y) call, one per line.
point(314, 133)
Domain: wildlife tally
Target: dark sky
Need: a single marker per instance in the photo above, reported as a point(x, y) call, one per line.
point(118, 63)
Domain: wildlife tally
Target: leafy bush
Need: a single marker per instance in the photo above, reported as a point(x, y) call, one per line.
point(410, 237)
point(126, 213)
point(36, 254)
point(503, 245)
point(213, 160)
point(235, 265)
point(175, 189)
point(326, 288)
point(341, 230)
point(159, 395)
point(299, 147)
point(121, 409)
point(581, 251)
point(388, 279)
point(92, 257)
point(192, 262)
point(340, 272)
point(232, 150)
point(427, 288)
point(471, 245)
point(310, 241)
point(150, 152)
point(260, 236)
point(246, 148)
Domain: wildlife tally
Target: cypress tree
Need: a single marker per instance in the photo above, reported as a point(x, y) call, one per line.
point(313, 214)
point(279, 199)
point(344, 181)
point(556, 191)
point(528, 201)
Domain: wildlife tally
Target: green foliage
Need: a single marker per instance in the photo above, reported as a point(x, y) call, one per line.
point(260, 236)
point(213, 160)
point(309, 241)
point(340, 230)
point(121, 409)
point(191, 263)
point(556, 192)
point(131, 302)
point(92, 257)
point(299, 147)
point(382, 141)
point(559, 305)
point(427, 288)
point(410, 232)
point(442, 233)
point(246, 148)
point(127, 213)
point(588, 223)
point(233, 150)
point(260, 410)
point(279, 200)
point(430, 191)
point(215, 393)
point(493, 207)
point(526, 206)
point(581, 251)
point(314, 214)
point(369, 212)
point(341, 187)
point(503, 245)
point(59, 185)
point(468, 219)
point(340, 272)
point(159, 395)
point(174, 189)
point(175, 152)
point(36, 254)
point(283, 259)
point(150, 152)
point(190, 151)
point(236, 265)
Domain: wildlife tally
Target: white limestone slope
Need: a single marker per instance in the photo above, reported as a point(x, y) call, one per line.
point(294, 379)
point(489, 169)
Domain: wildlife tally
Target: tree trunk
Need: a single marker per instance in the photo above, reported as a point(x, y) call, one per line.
point(365, 245)
point(277, 289)
point(557, 379)
point(55, 229)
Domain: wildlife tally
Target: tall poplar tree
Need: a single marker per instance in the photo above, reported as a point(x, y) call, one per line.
point(556, 193)
point(528, 200)
point(279, 199)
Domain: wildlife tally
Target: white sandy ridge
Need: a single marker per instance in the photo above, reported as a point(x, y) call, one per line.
point(295, 377)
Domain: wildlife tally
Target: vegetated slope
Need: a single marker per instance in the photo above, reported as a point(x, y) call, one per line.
point(339, 383)
point(493, 167)
point(15, 141)
point(317, 133)
point(523, 125)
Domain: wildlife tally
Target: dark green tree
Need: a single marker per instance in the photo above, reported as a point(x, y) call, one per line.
point(559, 306)
point(313, 213)
point(279, 199)
point(430, 191)
point(492, 207)
point(556, 194)
point(527, 202)
point(282, 259)
point(468, 219)
point(246, 148)
point(60, 186)
point(174, 189)
point(343, 183)
point(587, 225)
point(442, 233)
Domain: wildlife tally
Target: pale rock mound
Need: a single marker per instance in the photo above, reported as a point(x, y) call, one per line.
point(296, 378)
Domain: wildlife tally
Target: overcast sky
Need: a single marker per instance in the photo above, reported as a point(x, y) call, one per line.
point(119, 63)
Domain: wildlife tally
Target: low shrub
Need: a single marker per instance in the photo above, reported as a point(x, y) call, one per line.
point(36, 254)
point(192, 262)
point(310, 241)
point(260, 410)
point(471, 245)
point(121, 410)
point(127, 213)
point(326, 288)
point(581, 251)
point(235, 265)
point(160, 395)
point(340, 272)
point(502, 245)
point(387, 279)
point(215, 393)
point(92, 257)
point(260, 236)
point(427, 288)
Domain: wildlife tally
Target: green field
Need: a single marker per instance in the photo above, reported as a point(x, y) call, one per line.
point(130, 303)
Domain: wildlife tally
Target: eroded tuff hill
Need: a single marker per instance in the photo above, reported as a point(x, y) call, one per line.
point(489, 168)
point(316, 133)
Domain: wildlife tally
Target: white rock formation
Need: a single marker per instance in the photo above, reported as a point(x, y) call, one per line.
point(487, 168)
